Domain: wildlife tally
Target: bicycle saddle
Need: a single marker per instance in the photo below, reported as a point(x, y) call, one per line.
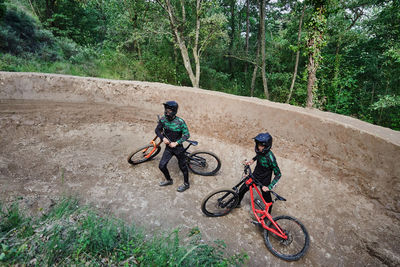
point(278, 197)
point(194, 143)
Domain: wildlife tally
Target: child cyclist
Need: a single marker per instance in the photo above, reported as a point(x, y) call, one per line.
point(266, 164)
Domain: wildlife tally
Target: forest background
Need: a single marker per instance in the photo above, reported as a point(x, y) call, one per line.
point(337, 56)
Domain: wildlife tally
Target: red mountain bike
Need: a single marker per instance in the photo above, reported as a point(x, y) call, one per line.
point(285, 236)
point(200, 162)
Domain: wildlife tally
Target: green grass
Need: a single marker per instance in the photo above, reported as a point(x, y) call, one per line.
point(70, 234)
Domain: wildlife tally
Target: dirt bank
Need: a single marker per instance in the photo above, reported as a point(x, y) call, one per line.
point(63, 134)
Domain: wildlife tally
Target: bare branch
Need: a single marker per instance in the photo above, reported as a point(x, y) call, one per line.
point(244, 59)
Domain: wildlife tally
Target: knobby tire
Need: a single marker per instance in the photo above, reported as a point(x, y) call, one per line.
point(297, 244)
point(139, 155)
point(204, 163)
point(219, 203)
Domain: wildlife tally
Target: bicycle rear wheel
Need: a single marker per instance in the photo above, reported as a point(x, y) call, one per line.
point(142, 154)
point(204, 163)
point(292, 248)
point(219, 203)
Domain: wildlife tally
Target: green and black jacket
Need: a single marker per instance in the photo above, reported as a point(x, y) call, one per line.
point(266, 164)
point(175, 130)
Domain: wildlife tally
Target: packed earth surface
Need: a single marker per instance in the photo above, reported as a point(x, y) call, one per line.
point(52, 147)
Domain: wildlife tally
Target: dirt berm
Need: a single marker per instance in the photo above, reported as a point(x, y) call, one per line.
point(71, 135)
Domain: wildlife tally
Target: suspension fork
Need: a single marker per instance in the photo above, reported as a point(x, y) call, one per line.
point(153, 142)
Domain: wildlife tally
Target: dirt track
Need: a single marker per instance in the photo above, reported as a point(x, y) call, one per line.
point(50, 148)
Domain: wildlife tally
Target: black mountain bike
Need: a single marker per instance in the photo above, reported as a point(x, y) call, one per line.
point(199, 162)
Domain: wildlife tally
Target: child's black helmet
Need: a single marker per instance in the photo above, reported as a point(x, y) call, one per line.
point(172, 105)
point(264, 139)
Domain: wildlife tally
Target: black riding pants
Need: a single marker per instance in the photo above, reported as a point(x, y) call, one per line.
point(179, 153)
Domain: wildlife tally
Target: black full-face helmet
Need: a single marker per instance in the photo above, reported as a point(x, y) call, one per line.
point(264, 139)
point(170, 109)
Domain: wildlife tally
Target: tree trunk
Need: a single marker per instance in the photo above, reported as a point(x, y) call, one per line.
point(139, 51)
point(185, 57)
point(175, 60)
point(50, 6)
point(181, 42)
point(311, 67)
point(297, 54)
point(33, 9)
point(372, 94)
point(314, 45)
point(381, 110)
point(253, 79)
point(232, 37)
point(262, 30)
point(247, 34)
point(336, 72)
point(48, 13)
point(196, 44)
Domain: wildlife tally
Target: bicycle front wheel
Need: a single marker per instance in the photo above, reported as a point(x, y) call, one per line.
point(219, 203)
point(143, 154)
point(292, 248)
point(204, 163)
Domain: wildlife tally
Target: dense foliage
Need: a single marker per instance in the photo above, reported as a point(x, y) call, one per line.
point(349, 51)
point(73, 235)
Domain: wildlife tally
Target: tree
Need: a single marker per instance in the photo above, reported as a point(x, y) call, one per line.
point(315, 41)
point(232, 34)
point(247, 33)
point(74, 19)
point(2, 10)
point(385, 49)
point(262, 34)
point(297, 54)
point(260, 49)
point(205, 26)
point(253, 79)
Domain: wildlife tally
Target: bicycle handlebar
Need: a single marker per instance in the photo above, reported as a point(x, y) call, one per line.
point(247, 169)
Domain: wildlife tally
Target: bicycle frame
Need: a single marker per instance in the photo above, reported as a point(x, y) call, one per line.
point(260, 214)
